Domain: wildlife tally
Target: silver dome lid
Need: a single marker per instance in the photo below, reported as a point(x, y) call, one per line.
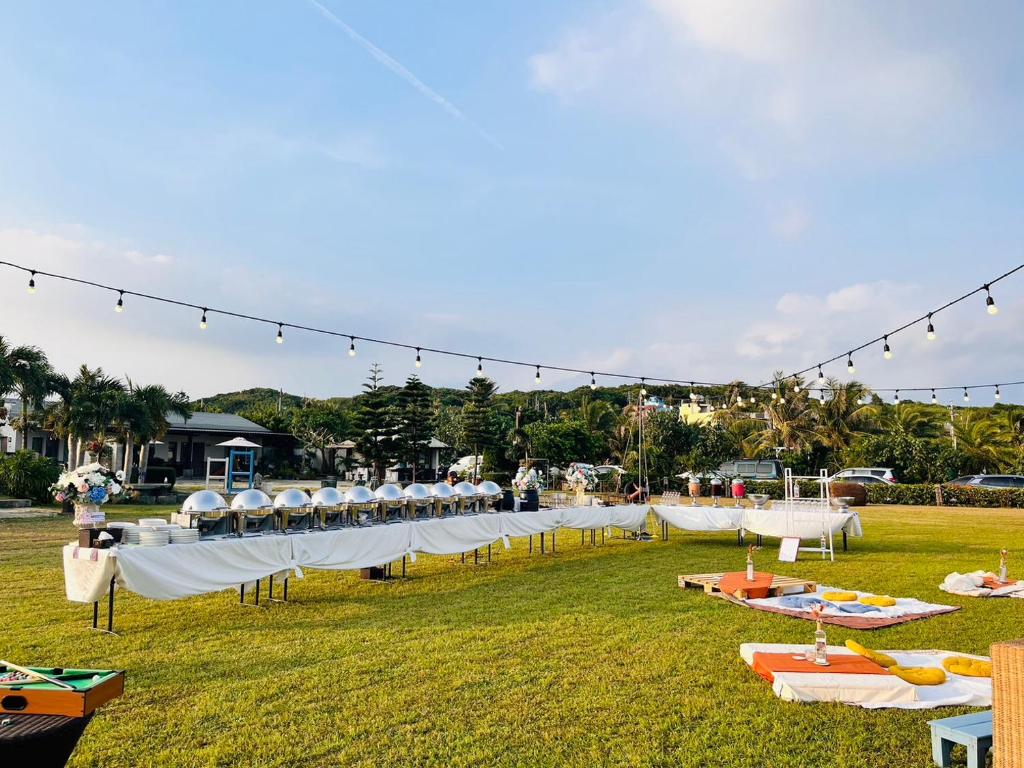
point(290, 499)
point(328, 497)
point(418, 491)
point(466, 490)
point(389, 492)
point(443, 491)
point(253, 498)
point(359, 494)
point(204, 501)
point(489, 488)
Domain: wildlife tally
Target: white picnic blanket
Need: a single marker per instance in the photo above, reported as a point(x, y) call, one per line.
point(905, 606)
point(702, 518)
point(972, 585)
point(780, 522)
point(183, 570)
point(450, 536)
point(876, 691)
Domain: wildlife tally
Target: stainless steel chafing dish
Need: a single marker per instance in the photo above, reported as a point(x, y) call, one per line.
point(361, 504)
point(329, 505)
point(294, 510)
point(420, 501)
point(208, 512)
point(253, 511)
point(490, 495)
point(392, 502)
point(447, 500)
point(469, 501)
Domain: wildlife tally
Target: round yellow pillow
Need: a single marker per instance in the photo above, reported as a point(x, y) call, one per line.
point(919, 675)
point(960, 665)
point(880, 601)
point(881, 659)
point(840, 597)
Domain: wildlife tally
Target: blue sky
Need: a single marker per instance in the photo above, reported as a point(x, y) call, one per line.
point(706, 190)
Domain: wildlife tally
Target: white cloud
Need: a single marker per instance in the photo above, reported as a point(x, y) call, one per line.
point(772, 83)
point(791, 223)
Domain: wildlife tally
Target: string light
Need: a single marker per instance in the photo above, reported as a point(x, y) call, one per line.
point(202, 321)
point(796, 386)
point(849, 364)
point(693, 395)
point(32, 282)
point(821, 375)
point(997, 392)
point(821, 397)
point(934, 398)
point(479, 367)
point(896, 397)
point(536, 379)
point(990, 303)
point(593, 381)
point(280, 334)
point(352, 346)
point(967, 395)
point(419, 362)
point(931, 329)
point(775, 396)
point(887, 350)
point(119, 307)
point(643, 388)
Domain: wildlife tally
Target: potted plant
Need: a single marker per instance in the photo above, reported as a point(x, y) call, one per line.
point(88, 487)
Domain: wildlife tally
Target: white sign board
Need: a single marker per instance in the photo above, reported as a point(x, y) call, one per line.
point(788, 550)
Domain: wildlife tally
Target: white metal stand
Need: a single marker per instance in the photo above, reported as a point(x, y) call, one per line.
point(221, 479)
point(795, 503)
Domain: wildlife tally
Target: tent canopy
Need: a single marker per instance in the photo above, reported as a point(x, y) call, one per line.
point(239, 442)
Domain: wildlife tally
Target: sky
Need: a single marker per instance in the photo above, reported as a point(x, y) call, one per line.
point(693, 189)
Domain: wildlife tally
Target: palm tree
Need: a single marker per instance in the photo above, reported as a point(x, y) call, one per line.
point(25, 371)
point(150, 406)
point(597, 415)
point(983, 444)
point(788, 421)
point(841, 413)
point(910, 419)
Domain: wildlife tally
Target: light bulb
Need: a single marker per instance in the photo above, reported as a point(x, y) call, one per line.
point(32, 282)
point(419, 363)
point(990, 303)
point(536, 379)
point(796, 387)
point(886, 351)
point(280, 334)
point(967, 396)
point(202, 321)
point(997, 393)
point(934, 398)
point(821, 375)
point(479, 366)
point(119, 307)
point(896, 396)
point(352, 346)
point(593, 382)
point(931, 330)
point(775, 396)
point(849, 364)
point(821, 396)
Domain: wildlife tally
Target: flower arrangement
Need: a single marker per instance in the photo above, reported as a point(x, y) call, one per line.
point(88, 484)
point(581, 477)
point(526, 480)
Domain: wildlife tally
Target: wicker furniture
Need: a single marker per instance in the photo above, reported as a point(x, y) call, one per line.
point(1008, 703)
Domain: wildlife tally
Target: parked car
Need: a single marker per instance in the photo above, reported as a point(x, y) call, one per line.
point(884, 473)
point(752, 469)
point(862, 479)
point(990, 481)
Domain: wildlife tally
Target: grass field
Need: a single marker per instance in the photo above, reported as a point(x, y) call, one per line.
point(589, 657)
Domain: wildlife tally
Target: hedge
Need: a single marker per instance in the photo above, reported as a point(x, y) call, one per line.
point(952, 496)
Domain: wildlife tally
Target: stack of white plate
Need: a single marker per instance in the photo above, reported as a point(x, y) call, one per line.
point(130, 534)
point(154, 538)
point(184, 535)
point(152, 521)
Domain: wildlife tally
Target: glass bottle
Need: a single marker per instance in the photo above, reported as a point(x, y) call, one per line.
point(820, 646)
point(750, 563)
point(1003, 574)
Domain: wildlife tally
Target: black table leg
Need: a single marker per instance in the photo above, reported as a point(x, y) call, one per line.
point(270, 588)
point(844, 539)
point(257, 591)
point(542, 543)
point(95, 614)
point(553, 531)
point(488, 553)
point(531, 543)
point(403, 566)
point(110, 608)
point(241, 593)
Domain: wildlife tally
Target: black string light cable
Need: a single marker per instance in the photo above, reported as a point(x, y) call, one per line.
point(990, 306)
point(281, 325)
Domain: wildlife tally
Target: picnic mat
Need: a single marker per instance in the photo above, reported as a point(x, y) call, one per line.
point(730, 582)
point(767, 665)
point(841, 683)
point(841, 614)
point(980, 584)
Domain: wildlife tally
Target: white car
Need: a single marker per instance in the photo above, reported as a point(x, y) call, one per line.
point(882, 473)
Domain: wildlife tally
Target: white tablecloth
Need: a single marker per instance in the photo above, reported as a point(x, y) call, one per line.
point(453, 535)
point(876, 691)
point(628, 517)
point(183, 570)
point(805, 524)
point(529, 523)
point(352, 548)
point(87, 573)
point(700, 518)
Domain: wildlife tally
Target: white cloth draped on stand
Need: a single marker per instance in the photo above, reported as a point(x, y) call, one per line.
point(353, 548)
point(705, 519)
point(87, 573)
point(454, 535)
point(628, 517)
point(803, 523)
point(183, 570)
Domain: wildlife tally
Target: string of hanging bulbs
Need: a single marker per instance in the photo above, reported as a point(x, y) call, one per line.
point(773, 387)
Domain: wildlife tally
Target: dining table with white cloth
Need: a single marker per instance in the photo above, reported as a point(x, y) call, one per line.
point(802, 522)
point(700, 518)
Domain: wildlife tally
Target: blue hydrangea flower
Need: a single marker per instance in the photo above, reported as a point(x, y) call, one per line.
point(97, 495)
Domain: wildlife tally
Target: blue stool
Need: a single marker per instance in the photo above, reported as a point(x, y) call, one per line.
point(973, 731)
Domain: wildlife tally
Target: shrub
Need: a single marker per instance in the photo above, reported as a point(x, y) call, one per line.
point(27, 475)
point(952, 496)
point(776, 489)
point(901, 493)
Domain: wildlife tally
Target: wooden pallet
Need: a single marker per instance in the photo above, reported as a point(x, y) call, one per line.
point(780, 584)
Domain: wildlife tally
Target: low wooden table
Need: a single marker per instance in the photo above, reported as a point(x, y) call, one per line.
point(781, 585)
point(974, 732)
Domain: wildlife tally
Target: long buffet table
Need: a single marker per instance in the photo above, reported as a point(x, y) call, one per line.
point(177, 571)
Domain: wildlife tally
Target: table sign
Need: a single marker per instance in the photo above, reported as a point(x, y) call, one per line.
point(788, 549)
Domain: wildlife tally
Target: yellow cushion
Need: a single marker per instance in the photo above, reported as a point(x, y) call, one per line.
point(960, 665)
point(919, 675)
point(839, 597)
point(881, 659)
point(881, 601)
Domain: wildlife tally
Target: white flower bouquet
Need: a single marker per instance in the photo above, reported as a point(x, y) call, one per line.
point(88, 484)
point(581, 477)
point(526, 480)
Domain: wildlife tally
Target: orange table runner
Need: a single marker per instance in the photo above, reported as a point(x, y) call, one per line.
point(755, 589)
point(993, 583)
point(767, 664)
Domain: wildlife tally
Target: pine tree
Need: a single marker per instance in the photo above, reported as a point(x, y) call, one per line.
point(376, 423)
point(477, 416)
point(415, 421)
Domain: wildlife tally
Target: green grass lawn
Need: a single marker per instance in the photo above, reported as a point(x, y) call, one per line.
point(589, 657)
